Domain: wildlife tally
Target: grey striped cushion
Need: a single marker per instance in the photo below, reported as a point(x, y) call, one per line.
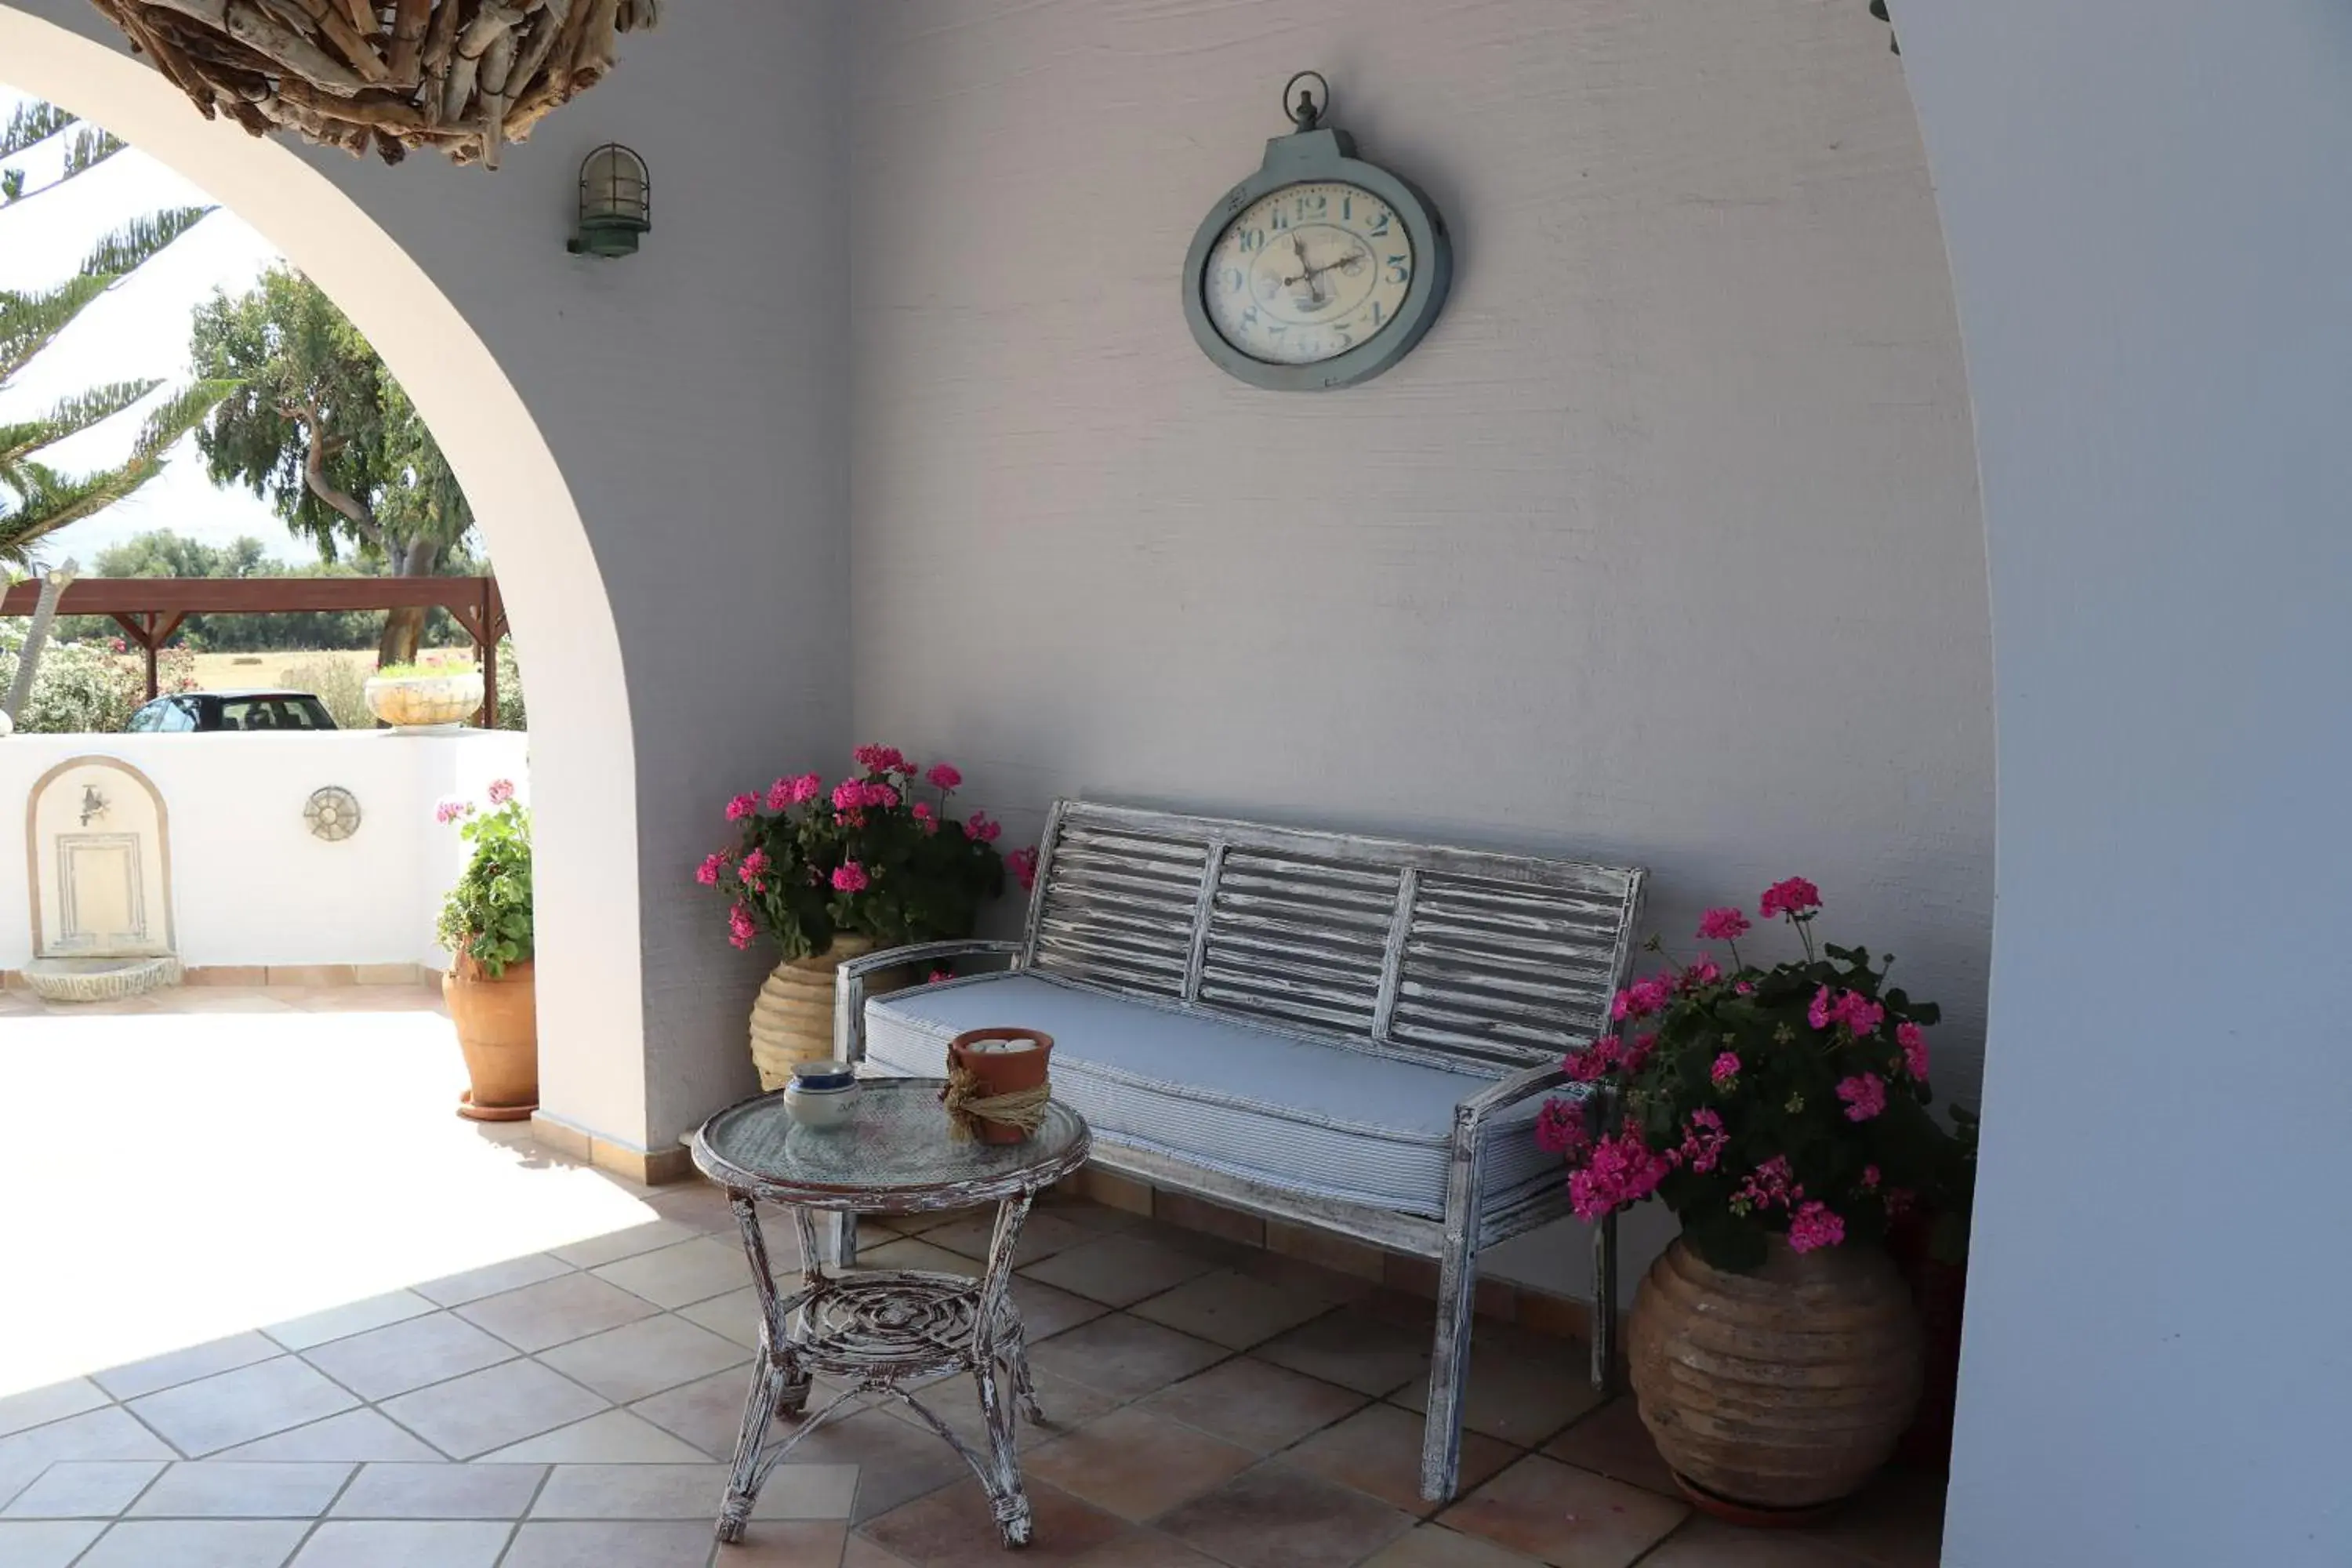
point(1312, 1118)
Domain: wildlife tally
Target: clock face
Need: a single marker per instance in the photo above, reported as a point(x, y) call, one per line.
point(1307, 272)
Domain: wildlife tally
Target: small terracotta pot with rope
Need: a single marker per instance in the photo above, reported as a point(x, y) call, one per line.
point(998, 1087)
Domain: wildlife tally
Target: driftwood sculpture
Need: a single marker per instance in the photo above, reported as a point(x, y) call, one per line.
point(462, 76)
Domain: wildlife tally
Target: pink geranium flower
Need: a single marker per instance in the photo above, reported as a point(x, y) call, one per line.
point(806, 788)
point(449, 811)
point(754, 866)
point(1814, 1226)
point(1914, 1041)
point(739, 929)
point(982, 828)
point(849, 877)
point(1726, 1068)
point(1623, 1170)
point(1024, 864)
point(882, 760)
point(1704, 1140)
point(927, 816)
point(944, 775)
point(741, 807)
point(1561, 1129)
point(1726, 924)
point(1703, 973)
point(501, 791)
point(1792, 897)
point(936, 976)
point(1644, 997)
point(1864, 1095)
point(708, 872)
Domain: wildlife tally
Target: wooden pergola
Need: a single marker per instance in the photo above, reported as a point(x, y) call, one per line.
point(150, 609)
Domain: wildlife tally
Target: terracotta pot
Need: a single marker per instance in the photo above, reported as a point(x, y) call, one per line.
point(497, 1029)
point(791, 1019)
point(1779, 1392)
point(1002, 1072)
point(1939, 1290)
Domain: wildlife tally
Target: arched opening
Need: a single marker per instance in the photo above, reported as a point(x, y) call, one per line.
point(583, 751)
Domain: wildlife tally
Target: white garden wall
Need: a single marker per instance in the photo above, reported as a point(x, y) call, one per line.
point(250, 883)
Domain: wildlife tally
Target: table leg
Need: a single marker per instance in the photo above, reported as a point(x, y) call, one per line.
point(780, 1383)
point(1007, 1500)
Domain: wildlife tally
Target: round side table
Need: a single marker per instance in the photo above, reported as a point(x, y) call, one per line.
point(878, 1330)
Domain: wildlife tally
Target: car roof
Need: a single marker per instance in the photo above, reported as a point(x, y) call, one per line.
point(252, 693)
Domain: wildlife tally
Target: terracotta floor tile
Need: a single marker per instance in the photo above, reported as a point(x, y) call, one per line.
point(1708, 1543)
point(472, 1414)
point(606, 1545)
point(614, 1437)
point(393, 1360)
point(217, 1413)
point(954, 1528)
point(46, 1543)
point(350, 1318)
point(857, 1553)
point(643, 1358)
point(1043, 1234)
point(691, 1491)
point(692, 1270)
point(1143, 1549)
point(1613, 1442)
point(196, 1543)
point(1046, 1310)
point(232, 1489)
point(788, 1544)
point(1521, 1398)
point(595, 1251)
point(915, 1252)
point(707, 1413)
point(402, 1544)
point(1136, 1464)
point(1434, 1546)
point(169, 1371)
point(1233, 1309)
point(1354, 1349)
point(37, 1406)
point(1120, 1269)
point(440, 1492)
point(1124, 1356)
point(84, 1488)
point(1897, 1521)
point(1255, 1404)
point(955, 1400)
point(896, 1461)
point(1276, 1517)
point(1558, 1515)
point(490, 1280)
point(107, 1434)
point(1377, 1452)
point(354, 1434)
point(734, 1316)
point(556, 1312)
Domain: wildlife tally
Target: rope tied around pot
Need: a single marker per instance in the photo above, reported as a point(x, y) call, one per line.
point(968, 1106)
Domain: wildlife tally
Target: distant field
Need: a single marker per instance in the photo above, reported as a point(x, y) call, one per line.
point(229, 671)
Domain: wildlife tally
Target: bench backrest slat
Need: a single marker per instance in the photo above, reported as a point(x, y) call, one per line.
point(1454, 954)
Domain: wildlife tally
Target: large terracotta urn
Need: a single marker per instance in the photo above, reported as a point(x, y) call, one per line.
point(1780, 1392)
point(498, 1029)
point(791, 1019)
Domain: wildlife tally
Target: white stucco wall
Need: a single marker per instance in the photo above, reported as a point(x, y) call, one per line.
point(251, 882)
point(692, 399)
point(2152, 242)
point(1663, 547)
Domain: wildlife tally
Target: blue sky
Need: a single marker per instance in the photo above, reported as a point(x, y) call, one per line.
point(139, 328)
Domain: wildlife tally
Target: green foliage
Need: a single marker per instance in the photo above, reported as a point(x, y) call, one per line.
point(868, 858)
point(514, 712)
point(88, 686)
point(339, 684)
point(486, 918)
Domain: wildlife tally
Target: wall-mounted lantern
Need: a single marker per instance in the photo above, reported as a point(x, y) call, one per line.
point(614, 202)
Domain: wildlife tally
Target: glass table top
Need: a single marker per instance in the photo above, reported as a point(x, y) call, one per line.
point(892, 1151)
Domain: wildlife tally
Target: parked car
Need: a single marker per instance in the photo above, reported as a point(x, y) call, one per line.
point(184, 711)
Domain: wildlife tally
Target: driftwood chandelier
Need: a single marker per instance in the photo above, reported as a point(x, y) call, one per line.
point(463, 77)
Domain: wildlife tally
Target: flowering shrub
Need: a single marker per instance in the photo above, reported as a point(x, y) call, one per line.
point(486, 918)
point(1755, 1102)
point(869, 856)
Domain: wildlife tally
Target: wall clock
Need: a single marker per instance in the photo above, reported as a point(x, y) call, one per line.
point(1320, 270)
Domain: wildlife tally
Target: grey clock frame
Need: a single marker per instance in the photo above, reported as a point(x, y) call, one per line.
point(1326, 154)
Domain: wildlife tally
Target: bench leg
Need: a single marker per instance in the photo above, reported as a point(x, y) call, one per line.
point(844, 1241)
point(1449, 1369)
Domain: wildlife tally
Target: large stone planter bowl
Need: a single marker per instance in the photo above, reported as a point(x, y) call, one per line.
point(419, 701)
point(1778, 1391)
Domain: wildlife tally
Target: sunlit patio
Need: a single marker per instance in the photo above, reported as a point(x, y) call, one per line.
point(289, 1309)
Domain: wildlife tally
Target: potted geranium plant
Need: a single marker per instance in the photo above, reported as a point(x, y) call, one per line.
point(486, 924)
point(1782, 1113)
point(830, 874)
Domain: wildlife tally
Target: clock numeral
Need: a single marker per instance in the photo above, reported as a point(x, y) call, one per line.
point(1234, 279)
point(1380, 227)
point(1376, 312)
point(1313, 202)
point(1252, 240)
point(1346, 208)
point(1277, 328)
point(1397, 273)
point(1249, 316)
point(1281, 220)
point(1346, 339)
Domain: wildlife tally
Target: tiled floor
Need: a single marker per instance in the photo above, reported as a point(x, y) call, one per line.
point(570, 1403)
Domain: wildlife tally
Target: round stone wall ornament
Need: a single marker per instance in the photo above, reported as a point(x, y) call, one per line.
point(332, 812)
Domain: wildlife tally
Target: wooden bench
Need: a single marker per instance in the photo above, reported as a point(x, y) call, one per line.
point(1342, 1032)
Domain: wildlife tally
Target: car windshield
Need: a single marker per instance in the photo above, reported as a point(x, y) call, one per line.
point(282, 712)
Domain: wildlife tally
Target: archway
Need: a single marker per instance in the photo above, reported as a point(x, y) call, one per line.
point(583, 746)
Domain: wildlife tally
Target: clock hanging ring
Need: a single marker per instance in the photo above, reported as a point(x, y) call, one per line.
point(1321, 270)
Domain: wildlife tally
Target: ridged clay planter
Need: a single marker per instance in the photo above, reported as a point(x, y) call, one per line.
point(497, 1029)
point(422, 701)
point(1776, 1393)
point(791, 1019)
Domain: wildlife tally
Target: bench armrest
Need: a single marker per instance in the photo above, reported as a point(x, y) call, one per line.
point(1519, 1085)
point(849, 983)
